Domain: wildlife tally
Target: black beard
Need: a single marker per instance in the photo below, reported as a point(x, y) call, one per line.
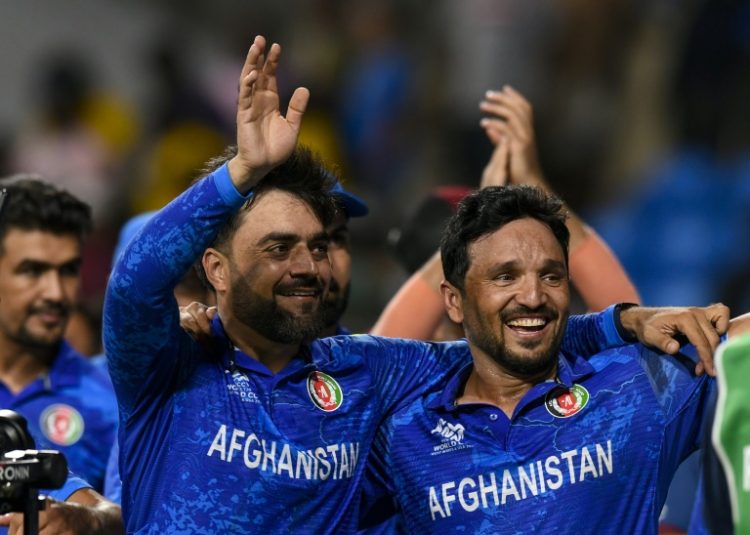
point(24, 338)
point(529, 366)
point(334, 307)
point(273, 322)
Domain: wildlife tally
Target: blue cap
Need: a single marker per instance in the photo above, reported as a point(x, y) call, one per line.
point(354, 206)
point(128, 230)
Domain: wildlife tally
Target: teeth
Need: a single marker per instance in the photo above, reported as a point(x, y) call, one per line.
point(527, 322)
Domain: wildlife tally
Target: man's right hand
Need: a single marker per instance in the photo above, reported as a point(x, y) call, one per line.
point(265, 138)
point(661, 327)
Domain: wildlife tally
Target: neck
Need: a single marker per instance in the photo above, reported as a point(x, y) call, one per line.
point(490, 383)
point(20, 365)
point(273, 355)
point(329, 330)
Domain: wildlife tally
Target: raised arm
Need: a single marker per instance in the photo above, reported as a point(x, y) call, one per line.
point(144, 343)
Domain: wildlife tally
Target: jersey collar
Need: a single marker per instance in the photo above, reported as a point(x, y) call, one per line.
point(570, 370)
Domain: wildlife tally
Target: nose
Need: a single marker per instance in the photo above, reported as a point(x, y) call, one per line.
point(531, 292)
point(302, 263)
point(52, 289)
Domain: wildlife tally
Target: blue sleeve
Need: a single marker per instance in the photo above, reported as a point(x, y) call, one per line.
point(589, 334)
point(112, 481)
point(404, 369)
point(72, 484)
point(378, 507)
point(684, 399)
point(148, 352)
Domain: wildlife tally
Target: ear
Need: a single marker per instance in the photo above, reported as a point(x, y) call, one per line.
point(216, 266)
point(453, 301)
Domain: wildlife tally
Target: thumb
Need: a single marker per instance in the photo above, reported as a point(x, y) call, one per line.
point(297, 106)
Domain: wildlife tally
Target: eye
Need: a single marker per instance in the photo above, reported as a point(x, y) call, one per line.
point(552, 278)
point(280, 249)
point(32, 270)
point(320, 248)
point(503, 277)
point(70, 270)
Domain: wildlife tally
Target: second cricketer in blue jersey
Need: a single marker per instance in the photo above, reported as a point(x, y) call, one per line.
point(529, 437)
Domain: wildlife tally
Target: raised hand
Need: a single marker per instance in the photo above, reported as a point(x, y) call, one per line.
point(511, 118)
point(265, 138)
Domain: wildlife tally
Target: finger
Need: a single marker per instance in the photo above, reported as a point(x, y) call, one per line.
point(297, 107)
point(687, 324)
point(719, 316)
point(513, 100)
point(211, 312)
point(519, 99)
point(495, 135)
point(699, 368)
point(268, 80)
point(245, 99)
point(712, 337)
point(251, 60)
point(511, 116)
point(6, 519)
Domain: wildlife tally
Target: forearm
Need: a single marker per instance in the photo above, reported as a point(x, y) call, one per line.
point(598, 275)
point(417, 308)
point(140, 313)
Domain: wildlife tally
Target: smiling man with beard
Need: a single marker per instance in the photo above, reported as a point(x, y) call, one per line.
point(530, 437)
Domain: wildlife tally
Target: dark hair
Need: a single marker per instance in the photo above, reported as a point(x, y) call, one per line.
point(33, 204)
point(489, 209)
point(303, 175)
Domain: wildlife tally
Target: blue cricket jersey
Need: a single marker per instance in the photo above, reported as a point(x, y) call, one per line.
point(71, 409)
point(593, 452)
point(212, 441)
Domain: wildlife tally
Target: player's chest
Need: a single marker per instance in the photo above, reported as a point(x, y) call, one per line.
point(309, 409)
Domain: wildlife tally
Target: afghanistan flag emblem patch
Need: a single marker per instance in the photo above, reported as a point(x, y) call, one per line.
point(568, 402)
point(324, 391)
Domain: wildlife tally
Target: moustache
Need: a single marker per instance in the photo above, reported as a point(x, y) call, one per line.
point(521, 311)
point(47, 308)
point(305, 285)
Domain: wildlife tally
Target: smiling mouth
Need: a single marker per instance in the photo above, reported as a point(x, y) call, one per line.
point(528, 326)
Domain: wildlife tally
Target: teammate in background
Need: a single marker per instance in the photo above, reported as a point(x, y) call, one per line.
point(269, 432)
point(416, 311)
point(527, 435)
point(69, 405)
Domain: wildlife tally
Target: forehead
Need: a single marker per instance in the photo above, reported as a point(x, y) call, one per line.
point(19, 244)
point(278, 212)
point(523, 241)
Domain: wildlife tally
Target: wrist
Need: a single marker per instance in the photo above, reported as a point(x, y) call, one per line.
point(626, 319)
point(243, 176)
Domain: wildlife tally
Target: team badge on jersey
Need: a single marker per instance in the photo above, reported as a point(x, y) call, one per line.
point(61, 424)
point(324, 391)
point(568, 403)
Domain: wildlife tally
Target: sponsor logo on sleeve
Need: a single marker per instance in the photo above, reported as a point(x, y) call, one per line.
point(324, 391)
point(61, 424)
point(567, 403)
